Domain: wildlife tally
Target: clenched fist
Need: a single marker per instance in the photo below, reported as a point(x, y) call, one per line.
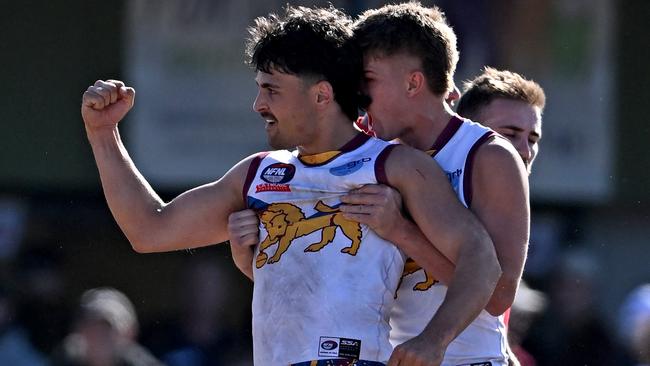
point(105, 103)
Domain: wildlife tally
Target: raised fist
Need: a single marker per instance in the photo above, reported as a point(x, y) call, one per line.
point(105, 103)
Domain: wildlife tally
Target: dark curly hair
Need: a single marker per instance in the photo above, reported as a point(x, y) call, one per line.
point(309, 42)
point(415, 30)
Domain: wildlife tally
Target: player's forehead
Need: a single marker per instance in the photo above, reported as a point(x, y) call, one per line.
point(514, 114)
point(380, 62)
point(276, 78)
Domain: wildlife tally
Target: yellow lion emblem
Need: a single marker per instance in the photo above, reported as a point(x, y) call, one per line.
point(411, 267)
point(285, 222)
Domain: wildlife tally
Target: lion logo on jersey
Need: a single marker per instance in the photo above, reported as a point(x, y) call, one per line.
point(411, 267)
point(285, 222)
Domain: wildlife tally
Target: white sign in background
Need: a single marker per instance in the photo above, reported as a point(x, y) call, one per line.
point(193, 118)
point(193, 115)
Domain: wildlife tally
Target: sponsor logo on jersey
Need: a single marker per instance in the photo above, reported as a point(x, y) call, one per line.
point(339, 347)
point(268, 187)
point(349, 168)
point(329, 345)
point(454, 178)
point(277, 173)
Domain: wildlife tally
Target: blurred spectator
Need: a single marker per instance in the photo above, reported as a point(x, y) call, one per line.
point(634, 324)
point(104, 333)
point(528, 305)
point(42, 307)
point(571, 332)
point(15, 347)
point(206, 335)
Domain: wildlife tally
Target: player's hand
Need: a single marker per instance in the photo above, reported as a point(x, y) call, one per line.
point(105, 103)
point(418, 351)
point(375, 205)
point(243, 228)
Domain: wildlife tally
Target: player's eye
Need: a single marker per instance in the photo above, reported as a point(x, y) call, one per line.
point(507, 133)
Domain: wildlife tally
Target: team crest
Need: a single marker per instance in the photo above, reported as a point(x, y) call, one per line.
point(285, 222)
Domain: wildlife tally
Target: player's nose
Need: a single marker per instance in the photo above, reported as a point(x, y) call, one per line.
point(259, 104)
point(524, 150)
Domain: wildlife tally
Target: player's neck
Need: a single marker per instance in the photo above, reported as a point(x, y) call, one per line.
point(427, 125)
point(333, 133)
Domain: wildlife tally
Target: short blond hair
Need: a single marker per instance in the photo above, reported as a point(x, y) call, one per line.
point(415, 30)
point(493, 84)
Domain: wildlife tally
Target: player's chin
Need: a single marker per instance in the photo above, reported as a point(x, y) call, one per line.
point(277, 143)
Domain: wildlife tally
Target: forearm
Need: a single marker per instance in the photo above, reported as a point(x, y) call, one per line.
point(503, 296)
point(468, 293)
point(132, 201)
point(511, 248)
point(412, 241)
point(243, 258)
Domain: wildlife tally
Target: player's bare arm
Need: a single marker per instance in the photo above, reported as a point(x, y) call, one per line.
point(196, 218)
point(243, 231)
point(380, 207)
point(501, 202)
point(458, 234)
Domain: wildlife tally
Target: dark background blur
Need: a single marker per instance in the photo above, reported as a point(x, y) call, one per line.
point(192, 121)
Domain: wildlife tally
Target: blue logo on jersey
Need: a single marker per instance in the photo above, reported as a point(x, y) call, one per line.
point(349, 168)
point(454, 178)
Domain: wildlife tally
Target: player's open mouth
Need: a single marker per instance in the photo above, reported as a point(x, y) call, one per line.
point(269, 119)
point(270, 123)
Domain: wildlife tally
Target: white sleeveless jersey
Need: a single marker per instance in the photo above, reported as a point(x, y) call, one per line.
point(324, 285)
point(419, 296)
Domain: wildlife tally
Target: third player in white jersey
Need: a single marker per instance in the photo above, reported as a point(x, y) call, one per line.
point(420, 295)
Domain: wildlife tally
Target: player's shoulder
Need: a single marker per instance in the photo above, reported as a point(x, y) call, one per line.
point(497, 156)
point(497, 147)
point(404, 161)
point(240, 171)
point(404, 154)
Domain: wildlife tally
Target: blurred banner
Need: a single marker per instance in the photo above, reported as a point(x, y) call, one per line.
point(568, 47)
point(575, 66)
point(193, 116)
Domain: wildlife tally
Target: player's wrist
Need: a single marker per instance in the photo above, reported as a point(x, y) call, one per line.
point(399, 230)
point(101, 132)
point(440, 336)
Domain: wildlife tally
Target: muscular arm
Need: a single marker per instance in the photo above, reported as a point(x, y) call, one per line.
point(195, 218)
point(500, 201)
point(454, 231)
point(380, 207)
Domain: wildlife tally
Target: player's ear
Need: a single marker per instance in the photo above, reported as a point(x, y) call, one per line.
point(452, 96)
point(324, 92)
point(415, 83)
